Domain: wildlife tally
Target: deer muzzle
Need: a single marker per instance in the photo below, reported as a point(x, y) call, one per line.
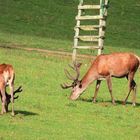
point(74, 96)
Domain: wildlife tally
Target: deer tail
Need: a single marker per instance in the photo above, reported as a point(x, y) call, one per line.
point(139, 60)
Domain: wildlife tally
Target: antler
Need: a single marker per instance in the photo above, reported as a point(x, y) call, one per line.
point(75, 67)
point(65, 85)
point(18, 91)
point(69, 75)
point(8, 96)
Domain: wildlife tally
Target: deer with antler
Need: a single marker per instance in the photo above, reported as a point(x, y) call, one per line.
point(7, 76)
point(117, 65)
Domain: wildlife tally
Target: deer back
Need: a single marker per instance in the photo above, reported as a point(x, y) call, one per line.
point(115, 64)
point(7, 71)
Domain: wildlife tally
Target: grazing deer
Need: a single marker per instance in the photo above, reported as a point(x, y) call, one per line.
point(117, 65)
point(7, 77)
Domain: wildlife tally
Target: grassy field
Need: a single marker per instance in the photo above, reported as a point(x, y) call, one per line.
point(49, 23)
point(43, 110)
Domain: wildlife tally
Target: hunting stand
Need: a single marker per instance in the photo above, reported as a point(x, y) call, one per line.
point(93, 23)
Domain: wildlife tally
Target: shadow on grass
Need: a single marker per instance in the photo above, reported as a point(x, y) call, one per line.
point(118, 102)
point(25, 113)
point(127, 103)
point(85, 100)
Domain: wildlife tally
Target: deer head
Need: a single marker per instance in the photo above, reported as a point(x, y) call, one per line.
point(8, 96)
point(76, 84)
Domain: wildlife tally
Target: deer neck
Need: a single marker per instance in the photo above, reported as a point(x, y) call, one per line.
point(89, 77)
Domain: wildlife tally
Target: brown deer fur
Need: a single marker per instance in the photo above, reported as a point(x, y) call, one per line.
point(104, 67)
point(7, 76)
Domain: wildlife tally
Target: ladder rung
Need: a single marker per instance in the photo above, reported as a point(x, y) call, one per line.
point(87, 47)
point(88, 38)
point(89, 17)
point(89, 7)
point(89, 27)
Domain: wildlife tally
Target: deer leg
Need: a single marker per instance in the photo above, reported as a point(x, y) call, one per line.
point(3, 100)
point(11, 85)
point(134, 86)
point(109, 83)
point(130, 86)
point(98, 83)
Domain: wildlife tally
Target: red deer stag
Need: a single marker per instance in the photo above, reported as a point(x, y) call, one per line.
point(117, 65)
point(7, 77)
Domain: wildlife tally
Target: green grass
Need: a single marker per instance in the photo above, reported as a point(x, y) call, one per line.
point(43, 110)
point(45, 23)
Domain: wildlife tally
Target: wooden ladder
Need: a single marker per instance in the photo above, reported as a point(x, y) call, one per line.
point(100, 28)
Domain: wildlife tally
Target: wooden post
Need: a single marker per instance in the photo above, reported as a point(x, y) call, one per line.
point(76, 34)
point(97, 39)
point(100, 43)
point(102, 23)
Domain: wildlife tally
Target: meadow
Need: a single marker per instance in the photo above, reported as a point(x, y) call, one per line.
point(43, 110)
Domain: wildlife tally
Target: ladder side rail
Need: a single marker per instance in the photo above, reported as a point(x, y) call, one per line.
point(76, 33)
point(101, 33)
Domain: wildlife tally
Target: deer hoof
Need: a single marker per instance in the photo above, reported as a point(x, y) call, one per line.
point(133, 104)
point(94, 101)
point(123, 103)
point(13, 114)
point(3, 112)
point(113, 102)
